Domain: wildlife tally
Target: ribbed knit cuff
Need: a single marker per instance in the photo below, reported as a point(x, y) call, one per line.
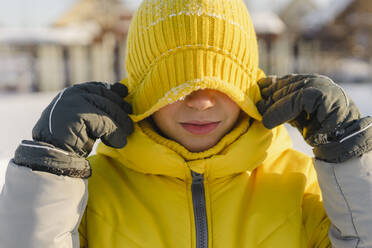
point(41, 156)
point(356, 141)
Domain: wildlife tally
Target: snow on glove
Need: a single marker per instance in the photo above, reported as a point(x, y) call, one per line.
point(326, 117)
point(67, 129)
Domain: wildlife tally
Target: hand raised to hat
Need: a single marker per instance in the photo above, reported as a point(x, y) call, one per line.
point(67, 129)
point(83, 113)
point(320, 109)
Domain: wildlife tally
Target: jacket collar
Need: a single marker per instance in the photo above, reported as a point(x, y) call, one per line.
point(244, 148)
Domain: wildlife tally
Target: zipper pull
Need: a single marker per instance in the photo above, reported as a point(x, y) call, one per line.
point(197, 178)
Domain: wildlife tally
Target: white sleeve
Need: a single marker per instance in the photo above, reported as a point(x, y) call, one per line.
point(347, 196)
point(39, 209)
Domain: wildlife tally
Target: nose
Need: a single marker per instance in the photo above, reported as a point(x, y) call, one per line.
point(200, 99)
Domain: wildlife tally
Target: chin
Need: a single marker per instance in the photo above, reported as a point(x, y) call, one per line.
point(200, 148)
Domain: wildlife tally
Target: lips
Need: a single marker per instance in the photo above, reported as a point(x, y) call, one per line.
point(197, 127)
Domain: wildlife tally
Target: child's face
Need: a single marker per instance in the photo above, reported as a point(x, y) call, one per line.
point(199, 121)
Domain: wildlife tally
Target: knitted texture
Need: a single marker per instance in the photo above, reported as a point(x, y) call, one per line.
point(175, 47)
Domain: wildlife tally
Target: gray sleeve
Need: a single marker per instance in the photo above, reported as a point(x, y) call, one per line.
point(347, 196)
point(39, 209)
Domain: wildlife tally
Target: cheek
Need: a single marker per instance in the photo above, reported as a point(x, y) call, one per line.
point(165, 117)
point(230, 108)
point(160, 119)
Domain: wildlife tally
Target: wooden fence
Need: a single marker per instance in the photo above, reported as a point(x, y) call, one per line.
point(50, 67)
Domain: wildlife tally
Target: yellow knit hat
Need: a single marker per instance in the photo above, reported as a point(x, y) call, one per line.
point(175, 47)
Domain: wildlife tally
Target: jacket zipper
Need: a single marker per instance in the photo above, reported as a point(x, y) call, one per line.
point(200, 212)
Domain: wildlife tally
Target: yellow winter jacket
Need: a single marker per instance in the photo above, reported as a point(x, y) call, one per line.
point(253, 191)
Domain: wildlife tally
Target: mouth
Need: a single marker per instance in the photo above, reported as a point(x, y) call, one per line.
point(199, 128)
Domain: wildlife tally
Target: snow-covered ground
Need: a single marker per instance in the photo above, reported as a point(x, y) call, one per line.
point(19, 113)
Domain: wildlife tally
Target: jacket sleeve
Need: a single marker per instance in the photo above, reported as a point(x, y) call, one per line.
point(39, 209)
point(347, 196)
point(314, 217)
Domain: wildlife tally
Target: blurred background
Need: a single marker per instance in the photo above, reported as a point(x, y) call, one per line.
point(46, 45)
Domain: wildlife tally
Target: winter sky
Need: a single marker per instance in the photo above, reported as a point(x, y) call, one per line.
point(31, 13)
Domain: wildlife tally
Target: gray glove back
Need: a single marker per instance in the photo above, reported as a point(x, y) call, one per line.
point(67, 129)
point(83, 113)
point(315, 105)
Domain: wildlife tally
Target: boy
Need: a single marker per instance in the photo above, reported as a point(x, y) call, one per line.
point(202, 166)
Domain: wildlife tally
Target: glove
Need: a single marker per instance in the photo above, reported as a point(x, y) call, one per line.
point(67, 129)
point(320, 110)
